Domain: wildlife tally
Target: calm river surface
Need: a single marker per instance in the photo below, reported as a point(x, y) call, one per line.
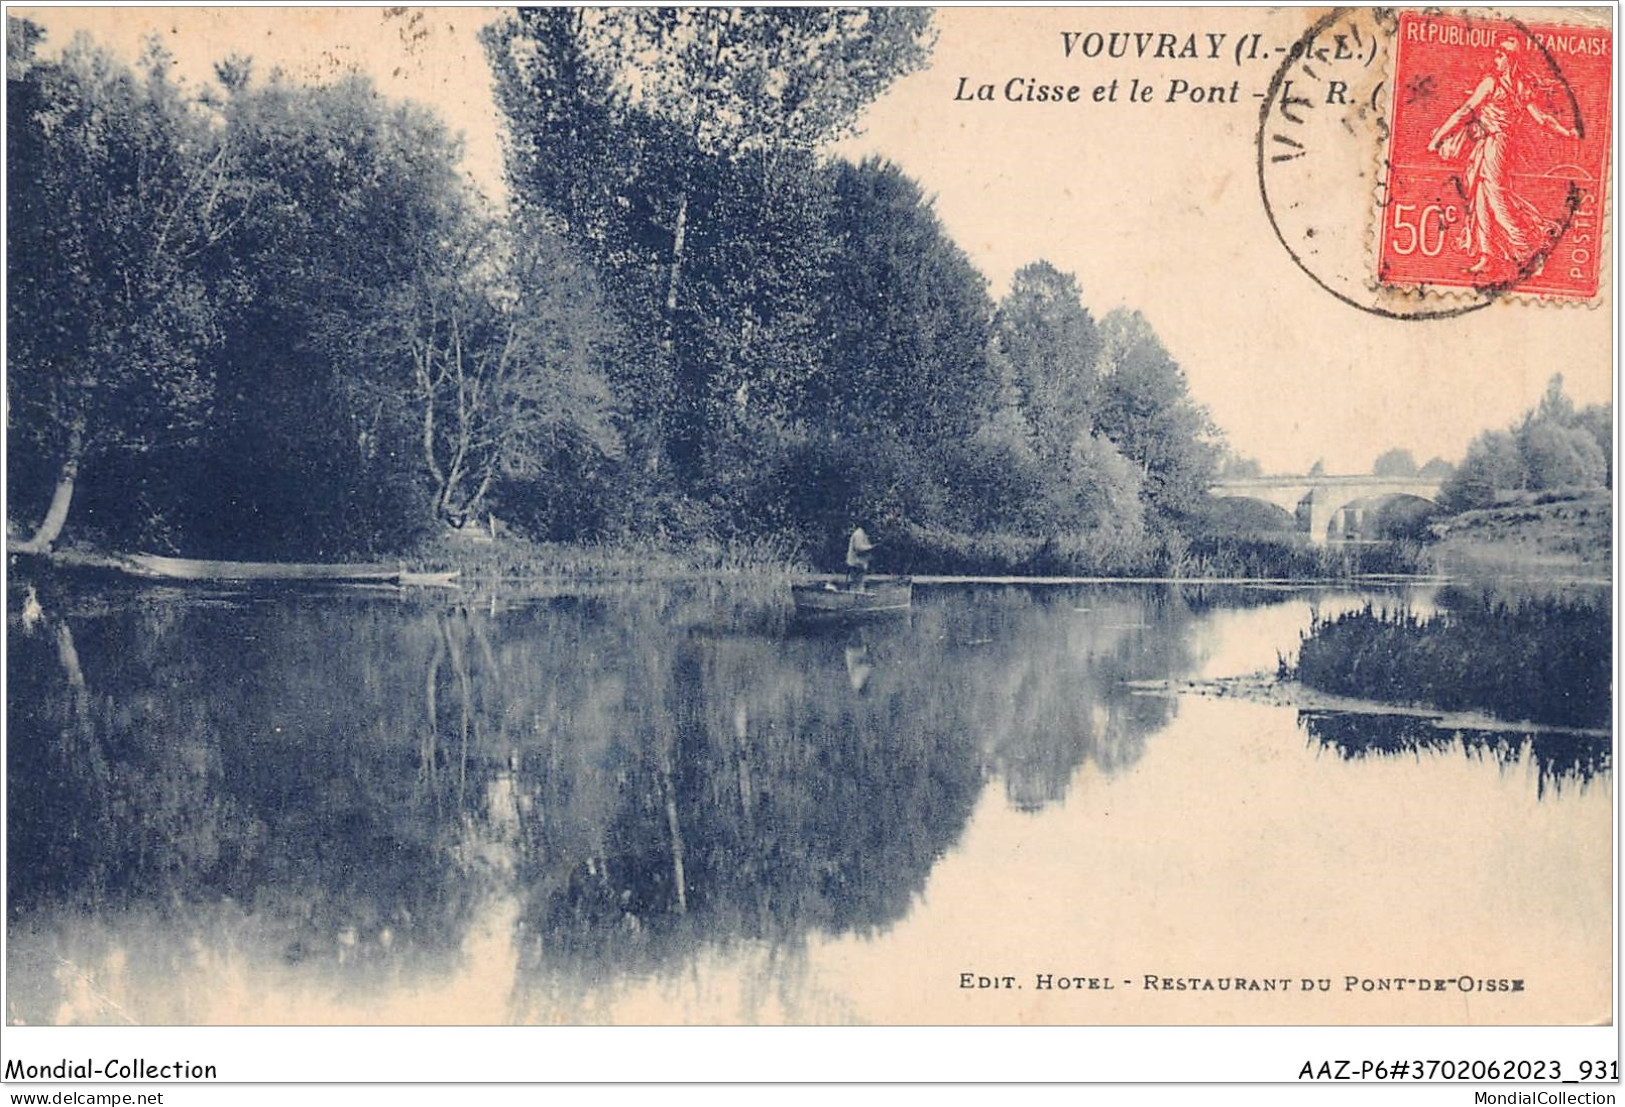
point(672, 804)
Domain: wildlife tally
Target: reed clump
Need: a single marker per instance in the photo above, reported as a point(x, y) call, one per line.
point(1544, 660)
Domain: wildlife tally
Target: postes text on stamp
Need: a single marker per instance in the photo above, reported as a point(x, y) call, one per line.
point(1497, 157)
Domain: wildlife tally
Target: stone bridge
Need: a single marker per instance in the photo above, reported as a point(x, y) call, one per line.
point(1328, 508)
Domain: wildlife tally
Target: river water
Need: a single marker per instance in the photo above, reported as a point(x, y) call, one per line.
point(675, 804)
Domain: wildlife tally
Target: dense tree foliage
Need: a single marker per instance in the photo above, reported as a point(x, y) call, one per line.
point(676, 148)
point(350, 194)
point(905, 317)
point(1552, 447)
point(272, 319)
point(1147, 412)
point(118, 197)
point(1047, 354)
point(1050, 345)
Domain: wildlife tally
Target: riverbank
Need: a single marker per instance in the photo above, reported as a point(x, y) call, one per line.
point(1555, 538)
point(937, 556)
point(1564, 541)
point(1567, 535)
point(481, 559)
point(1543, 658)
point(923, 551)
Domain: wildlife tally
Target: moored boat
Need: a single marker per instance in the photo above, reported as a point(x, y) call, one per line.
point(828, 599)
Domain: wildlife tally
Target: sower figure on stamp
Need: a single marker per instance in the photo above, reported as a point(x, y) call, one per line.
point(858, 548)
point(1500, 225)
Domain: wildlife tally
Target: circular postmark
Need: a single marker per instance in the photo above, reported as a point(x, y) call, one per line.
point(1412, 171)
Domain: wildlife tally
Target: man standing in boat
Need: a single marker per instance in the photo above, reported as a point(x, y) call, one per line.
point(857, 558)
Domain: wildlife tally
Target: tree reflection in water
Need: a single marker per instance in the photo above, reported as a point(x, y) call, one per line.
point(345, 779)
point(1560, 758)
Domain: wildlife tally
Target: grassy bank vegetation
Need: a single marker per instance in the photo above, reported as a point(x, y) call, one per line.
point(517, 558)
point(1170, 555)
point(1545, 660)
point(920, 551)
point(1532, 532)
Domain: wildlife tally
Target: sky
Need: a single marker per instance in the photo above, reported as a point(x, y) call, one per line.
point(1154, 206)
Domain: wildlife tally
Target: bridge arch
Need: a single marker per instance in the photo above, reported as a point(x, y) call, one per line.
point(1384, 516)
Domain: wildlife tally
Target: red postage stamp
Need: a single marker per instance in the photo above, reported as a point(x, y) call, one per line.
point(1497, 156)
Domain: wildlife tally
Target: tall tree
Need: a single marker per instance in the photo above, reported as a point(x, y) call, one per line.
point(1557, 450)
point(752, 82)
point(1046, 348)
point(120, 192)
point(581, 165)
point(505, 356)
point(1493, 464)
point(676, 145)
point(907, 316)
point(752, 342)
point(311, 449)
point(1598, 421)
point(1050, 346)
point(1147, 412)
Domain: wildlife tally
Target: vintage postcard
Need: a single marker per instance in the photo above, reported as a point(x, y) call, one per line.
point(1057, 517)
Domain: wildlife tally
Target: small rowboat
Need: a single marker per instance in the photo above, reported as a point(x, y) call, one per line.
point(873, 597)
